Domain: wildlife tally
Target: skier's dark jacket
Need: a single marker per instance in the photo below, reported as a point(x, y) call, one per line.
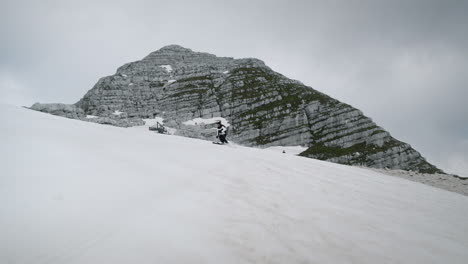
point(221, 130)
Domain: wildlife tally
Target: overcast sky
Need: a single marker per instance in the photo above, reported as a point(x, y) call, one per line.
point(403, 63)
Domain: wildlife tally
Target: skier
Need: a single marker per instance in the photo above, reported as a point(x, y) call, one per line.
point(221, 133)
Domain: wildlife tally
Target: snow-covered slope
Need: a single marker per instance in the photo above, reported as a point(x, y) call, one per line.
point(79, 192)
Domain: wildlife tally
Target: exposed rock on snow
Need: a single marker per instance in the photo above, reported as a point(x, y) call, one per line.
point(124, 122)
point(66, 110)
point(115, 118)
point(290, 150)
point(447, 182)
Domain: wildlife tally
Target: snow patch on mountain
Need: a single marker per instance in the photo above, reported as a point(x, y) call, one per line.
point(168, 68)
point(206, 121)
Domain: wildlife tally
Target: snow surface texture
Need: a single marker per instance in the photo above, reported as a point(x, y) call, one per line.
point(79, 192)
point(291, 150)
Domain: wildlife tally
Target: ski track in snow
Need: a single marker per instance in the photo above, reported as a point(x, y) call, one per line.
point(78, 192)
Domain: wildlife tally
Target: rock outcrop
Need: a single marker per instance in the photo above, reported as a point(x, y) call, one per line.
point(264, 107)
point(74, 112)
point(66, 110)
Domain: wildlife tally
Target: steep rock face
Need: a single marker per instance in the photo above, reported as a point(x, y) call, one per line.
point(264, 107)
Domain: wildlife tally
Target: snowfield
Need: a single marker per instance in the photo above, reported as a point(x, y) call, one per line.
point(79, 192)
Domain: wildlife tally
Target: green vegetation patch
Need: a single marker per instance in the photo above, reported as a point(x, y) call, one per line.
point(323, 152)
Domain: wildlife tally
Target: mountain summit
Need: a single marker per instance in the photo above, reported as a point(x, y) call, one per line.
point(263, 107)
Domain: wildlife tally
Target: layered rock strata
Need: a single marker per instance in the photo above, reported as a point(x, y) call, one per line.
point(74, 112)
point(264, 107)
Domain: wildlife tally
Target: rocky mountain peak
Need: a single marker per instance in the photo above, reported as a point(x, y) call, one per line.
point(174, 48)
point(263, 107)
point(177, 54)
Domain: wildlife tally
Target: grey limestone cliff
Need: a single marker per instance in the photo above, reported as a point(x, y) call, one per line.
point(263, 107)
